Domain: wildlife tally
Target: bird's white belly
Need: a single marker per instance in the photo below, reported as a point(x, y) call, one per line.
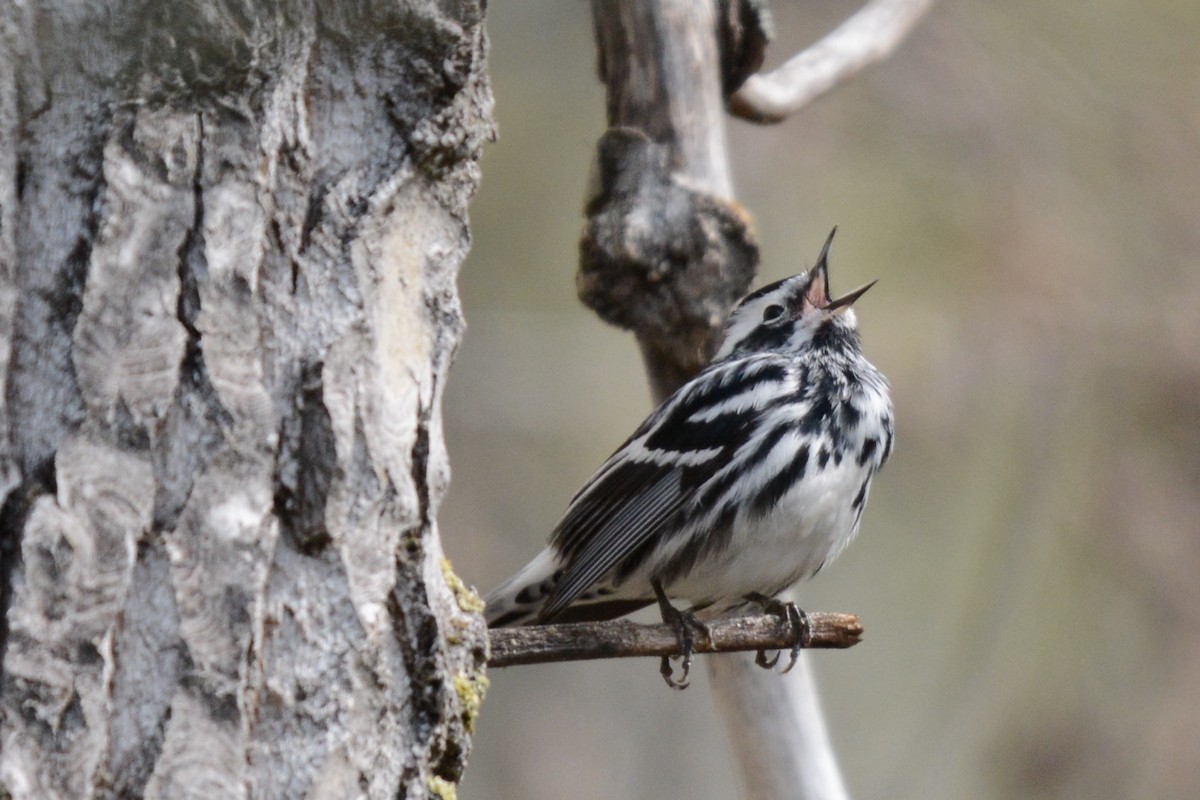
point(809, 527)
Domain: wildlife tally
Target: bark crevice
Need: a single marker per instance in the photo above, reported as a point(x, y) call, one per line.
point(302, 476)
point(13, 514)
point(196, 406)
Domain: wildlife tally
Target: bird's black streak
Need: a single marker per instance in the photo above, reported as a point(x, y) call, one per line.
point(678, 433)
point(861, 497)
point(783, 480)
point(868, 450)
point(766, 339)
point(770, 287)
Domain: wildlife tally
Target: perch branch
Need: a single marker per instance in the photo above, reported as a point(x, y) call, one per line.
point(870, 35)
point(540, 644)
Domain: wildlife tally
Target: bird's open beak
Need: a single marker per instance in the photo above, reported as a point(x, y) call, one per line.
point(818, 289)
point(847, 300)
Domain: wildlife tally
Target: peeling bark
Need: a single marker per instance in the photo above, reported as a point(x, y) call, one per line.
point(229, 236)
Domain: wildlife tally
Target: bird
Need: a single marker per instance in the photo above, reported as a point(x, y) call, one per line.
point(750, 477)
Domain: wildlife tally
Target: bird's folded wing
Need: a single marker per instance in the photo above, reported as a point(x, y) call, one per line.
point(636, 497)
point(610, 531)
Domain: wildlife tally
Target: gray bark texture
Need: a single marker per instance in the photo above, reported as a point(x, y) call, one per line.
point(229, 236)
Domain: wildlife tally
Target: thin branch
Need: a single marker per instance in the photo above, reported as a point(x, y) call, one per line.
point(870, 35)
point(541, 644)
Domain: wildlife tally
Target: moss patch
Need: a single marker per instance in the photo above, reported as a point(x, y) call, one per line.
point(468, 599)
point(471, 690)
point(440, 787)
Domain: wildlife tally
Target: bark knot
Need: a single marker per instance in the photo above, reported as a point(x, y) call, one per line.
point(658, 256)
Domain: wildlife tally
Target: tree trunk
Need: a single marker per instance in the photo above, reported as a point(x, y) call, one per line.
point(229, 235)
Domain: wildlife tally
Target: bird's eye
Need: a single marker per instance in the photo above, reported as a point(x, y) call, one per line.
point(772, 313)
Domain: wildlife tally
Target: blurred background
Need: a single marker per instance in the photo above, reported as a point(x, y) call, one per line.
point(1024, 180)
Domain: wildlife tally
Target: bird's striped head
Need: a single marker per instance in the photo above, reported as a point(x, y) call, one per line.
point(793, 315)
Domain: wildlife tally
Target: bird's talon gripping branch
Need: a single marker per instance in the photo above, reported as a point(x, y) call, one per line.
point(760, 658)
point(799, 620)
point(686, 627)
point(794, 617)
point(668, 673)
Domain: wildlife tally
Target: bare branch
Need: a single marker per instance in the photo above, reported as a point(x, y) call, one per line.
point(541, 644)
point(870, 35)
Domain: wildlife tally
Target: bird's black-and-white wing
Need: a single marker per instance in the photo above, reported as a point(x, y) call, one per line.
point(636, 498)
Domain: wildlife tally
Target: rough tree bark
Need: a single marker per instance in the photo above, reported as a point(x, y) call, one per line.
point(229, 234)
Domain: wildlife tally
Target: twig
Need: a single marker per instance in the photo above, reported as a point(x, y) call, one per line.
point(869, 36)
point(540, 644)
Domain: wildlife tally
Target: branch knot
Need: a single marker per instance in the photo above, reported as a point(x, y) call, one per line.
point(658, 256)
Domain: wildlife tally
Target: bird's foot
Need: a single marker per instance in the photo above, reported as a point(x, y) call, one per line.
point(687, 628)
point(761, 659)
point(795, 617)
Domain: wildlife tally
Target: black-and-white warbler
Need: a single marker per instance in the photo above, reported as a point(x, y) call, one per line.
point(750, 477)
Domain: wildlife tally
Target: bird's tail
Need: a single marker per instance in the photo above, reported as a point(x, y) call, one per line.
point(518, 600)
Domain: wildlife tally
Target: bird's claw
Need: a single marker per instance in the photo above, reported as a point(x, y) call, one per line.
point(668, 673)
point(686, 628)
point(761, 659)
point(795, 617)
